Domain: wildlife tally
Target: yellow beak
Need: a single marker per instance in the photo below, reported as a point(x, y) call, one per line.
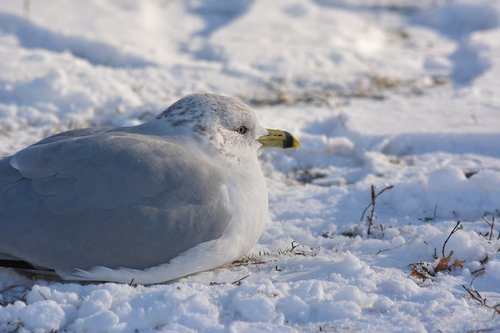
point(279, 139)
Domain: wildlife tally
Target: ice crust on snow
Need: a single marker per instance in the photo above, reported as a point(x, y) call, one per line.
point(388, 92)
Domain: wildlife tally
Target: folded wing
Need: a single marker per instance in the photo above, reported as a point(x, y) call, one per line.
point(113, 199)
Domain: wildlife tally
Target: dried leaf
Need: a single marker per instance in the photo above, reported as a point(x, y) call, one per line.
point(458, 264)
point(442, 264)
point(418, 275)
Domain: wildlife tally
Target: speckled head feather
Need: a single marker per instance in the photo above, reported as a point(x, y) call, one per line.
point(198, 108)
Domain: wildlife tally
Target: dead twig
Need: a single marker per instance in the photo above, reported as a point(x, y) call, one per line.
point(238, 282)
point(235, 283)
point(492, 225)
point(457, 227)
point(478, 272)
point(389, 249)
point(475, 295)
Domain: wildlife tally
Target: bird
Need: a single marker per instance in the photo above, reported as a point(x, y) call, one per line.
point(176, 195)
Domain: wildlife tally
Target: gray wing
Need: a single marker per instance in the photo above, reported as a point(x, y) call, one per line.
point(72, 134)
point(108, 198)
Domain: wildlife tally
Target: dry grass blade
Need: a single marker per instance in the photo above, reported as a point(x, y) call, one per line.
point(373, 199)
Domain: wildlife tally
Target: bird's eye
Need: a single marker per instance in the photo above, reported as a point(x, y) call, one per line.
point(242, 129)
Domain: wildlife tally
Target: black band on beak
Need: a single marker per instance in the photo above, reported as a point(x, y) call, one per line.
point(288, 143)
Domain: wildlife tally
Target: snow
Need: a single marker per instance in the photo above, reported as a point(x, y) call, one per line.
point(382, 92)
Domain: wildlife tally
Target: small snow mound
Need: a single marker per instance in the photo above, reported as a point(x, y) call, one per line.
point(327, 312)
point(96, 301)
point(354, 294)
point(350, 266)
point(447, 192)
point(457, 19)
point(294, 308)
point(444, 177)
point(255, 308)
point(44, 315)
point(102, 321)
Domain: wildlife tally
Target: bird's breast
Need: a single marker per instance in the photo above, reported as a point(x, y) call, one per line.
point(247, 200)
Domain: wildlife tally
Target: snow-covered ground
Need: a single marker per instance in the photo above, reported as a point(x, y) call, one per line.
point(382, 92)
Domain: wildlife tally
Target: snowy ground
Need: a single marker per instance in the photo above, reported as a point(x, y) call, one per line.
point(381, 92)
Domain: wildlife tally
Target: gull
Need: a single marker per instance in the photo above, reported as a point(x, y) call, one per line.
point(179, 194)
